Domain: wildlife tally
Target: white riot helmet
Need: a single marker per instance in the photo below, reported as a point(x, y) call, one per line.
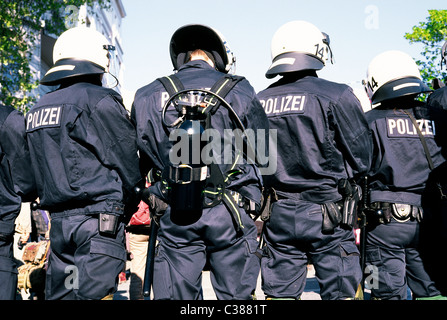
point(195, 36)
point(298, 45)
point(393, 74)
point(78, 51)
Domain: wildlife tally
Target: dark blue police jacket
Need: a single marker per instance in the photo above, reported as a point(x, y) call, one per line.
point(438, 99)
point(322, 136)
point(83, 149)
point(437, 103)
point(400, 168)
point(16, 177)
point(154, 143)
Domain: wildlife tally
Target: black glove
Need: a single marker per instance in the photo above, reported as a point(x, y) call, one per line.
point(157, 207)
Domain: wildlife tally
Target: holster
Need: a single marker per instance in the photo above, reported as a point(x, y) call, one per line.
point(379, 212)
point(343, 212)
point(349, 209)
point(331, 217)
point(268, 198)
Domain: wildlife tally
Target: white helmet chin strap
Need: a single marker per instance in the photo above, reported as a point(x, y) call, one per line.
point(109, 80)
point(327, 41)
point(232, 69)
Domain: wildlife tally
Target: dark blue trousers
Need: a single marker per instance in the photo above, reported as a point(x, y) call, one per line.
point(394, 253)
point(183, 251)
point(83, 264)
point(293, 234)
point(8, 271)
point(433, 233)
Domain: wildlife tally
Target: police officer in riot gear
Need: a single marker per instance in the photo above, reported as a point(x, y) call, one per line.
point(16, 184)
point(84, 157)
point(404, 135)
point(225, 238)
point(438, 103)
point(434, 198)
point(327, 144)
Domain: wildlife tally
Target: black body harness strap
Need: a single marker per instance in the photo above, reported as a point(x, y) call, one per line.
point(215, 190)
point(426, 151)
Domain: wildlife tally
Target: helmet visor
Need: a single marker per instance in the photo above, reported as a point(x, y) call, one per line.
point(293, 61)
point(67, 68)
point(399, 88)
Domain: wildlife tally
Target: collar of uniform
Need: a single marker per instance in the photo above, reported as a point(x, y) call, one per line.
point(291, 77)
point(200, 64)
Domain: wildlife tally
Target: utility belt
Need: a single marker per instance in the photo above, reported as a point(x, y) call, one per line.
point(185, 174)
point(341, 213)
point(242, 202)
point(287, 195)
point(108, 212)
point(234, 201)
point(382, 212)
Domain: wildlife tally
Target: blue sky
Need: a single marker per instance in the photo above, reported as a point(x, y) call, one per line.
point(358, 29)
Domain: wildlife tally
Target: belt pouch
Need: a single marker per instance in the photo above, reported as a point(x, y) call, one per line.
point(348, 215)
point(108, 223)
point(401, 212)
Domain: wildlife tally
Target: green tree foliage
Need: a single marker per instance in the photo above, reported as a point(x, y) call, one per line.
point(432, 34)
point(21, 22)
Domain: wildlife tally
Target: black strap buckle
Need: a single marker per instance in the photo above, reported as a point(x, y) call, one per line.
point(177, 174)
point(184, 174)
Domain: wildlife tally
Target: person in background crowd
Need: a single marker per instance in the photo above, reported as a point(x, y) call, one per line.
point(138, 231)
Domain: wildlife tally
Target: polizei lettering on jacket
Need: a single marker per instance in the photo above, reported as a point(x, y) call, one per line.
point(164, 97)
point(47, 117)
point(285, 104)
point(403, 127)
